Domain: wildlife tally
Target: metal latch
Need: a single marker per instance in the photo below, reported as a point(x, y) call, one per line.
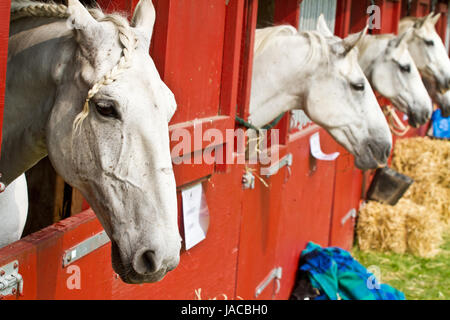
point(276, 275)
point(11, 281)
point(248, 180)
point(273, 169)
point(2, 186)
point(350, 214)
point(84, 248)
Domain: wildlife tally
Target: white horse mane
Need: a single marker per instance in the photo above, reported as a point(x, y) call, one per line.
point(27, 8)
point(264, 37)
point(366, 41)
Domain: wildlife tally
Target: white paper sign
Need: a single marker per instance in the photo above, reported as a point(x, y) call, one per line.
point(195, 215)
point(316, 151)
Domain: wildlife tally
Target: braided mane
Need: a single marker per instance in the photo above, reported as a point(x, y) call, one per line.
point(128, 40)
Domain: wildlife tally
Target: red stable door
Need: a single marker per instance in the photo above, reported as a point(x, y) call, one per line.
point(307, 200)
point(259, 272)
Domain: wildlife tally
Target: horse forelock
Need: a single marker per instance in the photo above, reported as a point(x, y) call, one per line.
point(127, 37)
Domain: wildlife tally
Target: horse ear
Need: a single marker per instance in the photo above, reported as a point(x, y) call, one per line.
point(144, 18)
point(435, 19)
point(403, 38)
point(322, 27)
point(80, 18)
point(352, 40)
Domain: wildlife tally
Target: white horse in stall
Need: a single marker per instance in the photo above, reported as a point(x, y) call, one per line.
point(430, 56)
point(319, 73)
point(82, 88)
point(390, 69)
point(13, 210)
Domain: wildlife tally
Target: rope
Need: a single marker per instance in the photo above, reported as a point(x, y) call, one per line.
point(395, 124)
point(2, 186)
point(269, 126)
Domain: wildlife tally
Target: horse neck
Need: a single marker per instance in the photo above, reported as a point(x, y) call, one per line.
point(37, 56)
point(280, 78)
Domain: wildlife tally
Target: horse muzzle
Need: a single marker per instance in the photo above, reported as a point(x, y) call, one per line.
point(373, 154)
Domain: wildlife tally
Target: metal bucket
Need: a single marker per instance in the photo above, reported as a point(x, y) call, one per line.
point(388, 186)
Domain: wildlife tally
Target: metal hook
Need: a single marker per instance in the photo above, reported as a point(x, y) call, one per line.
point(2, 186)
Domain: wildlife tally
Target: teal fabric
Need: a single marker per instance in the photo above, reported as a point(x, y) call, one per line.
point(335, 273)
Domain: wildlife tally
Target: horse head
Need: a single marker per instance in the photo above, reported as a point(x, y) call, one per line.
point(341, 100)
point(108, 136)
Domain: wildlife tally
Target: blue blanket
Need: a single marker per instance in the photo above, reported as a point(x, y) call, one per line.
point(441, 125)
point(335, 273)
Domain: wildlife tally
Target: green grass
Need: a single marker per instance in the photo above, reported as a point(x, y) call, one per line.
point(418, 278)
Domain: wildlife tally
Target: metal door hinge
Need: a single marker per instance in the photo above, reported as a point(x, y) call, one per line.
point(276, 274)
point(11, 281)
point(87, 246)
point(273, 169)
point(350, 214)
point(248, 181)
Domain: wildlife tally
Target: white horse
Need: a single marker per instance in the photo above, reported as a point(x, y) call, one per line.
point(319, 73)
point(82, 88)
point(390, 69)
point(13, 211)
point(442, 99)
point(429, 54)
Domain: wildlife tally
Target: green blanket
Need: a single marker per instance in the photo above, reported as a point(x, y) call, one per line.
point(335, 273)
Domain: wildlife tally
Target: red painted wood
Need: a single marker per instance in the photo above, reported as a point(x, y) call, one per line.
point(231, 67)
point(4, 33)
point(390, 16)
point(259, 234)
point(248, 38)
point(286, 12)
point(347, 196)
point(441, 25)
point(358, 17)
point(307, 198)
point(40, 256)
point(343, 15)
point(419, 8)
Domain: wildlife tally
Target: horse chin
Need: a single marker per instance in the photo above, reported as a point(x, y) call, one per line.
point(134, 278)
point(372, 155)
point(366, 163)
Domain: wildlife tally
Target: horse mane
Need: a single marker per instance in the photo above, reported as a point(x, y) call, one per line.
point(264, 37)
point(127, 38)
point(367, 40)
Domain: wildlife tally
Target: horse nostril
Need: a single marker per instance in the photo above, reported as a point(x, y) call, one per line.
point(148, 262)
point(387, 153)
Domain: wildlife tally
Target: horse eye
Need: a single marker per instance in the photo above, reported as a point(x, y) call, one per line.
point(405, 68)
point(106, 109)
point(429, 43)
point(358, 86)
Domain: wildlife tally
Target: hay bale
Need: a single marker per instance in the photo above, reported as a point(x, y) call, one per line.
point(424, 231)
point(427, 161)
point(405, 227)
point(381, 227)
point(417, 222)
